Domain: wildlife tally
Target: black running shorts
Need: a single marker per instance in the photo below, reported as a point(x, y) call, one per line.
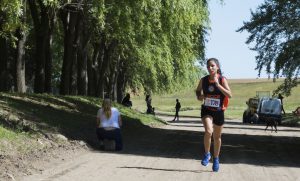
point(218, 116)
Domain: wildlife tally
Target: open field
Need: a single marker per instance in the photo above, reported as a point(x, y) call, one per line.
point(242, 89)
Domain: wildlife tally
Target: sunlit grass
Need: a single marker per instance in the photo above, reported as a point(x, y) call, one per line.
point(242, 90)
point(74, 114)
point(7, 134)
point(27, 118)
point(16, 141)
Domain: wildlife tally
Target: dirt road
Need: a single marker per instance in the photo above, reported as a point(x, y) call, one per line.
point(173, 152)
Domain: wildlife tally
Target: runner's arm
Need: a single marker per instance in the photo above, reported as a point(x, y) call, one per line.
point(224, 88)
point(199, 94)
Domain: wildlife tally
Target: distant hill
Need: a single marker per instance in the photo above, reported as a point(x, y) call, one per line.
point(253, 80)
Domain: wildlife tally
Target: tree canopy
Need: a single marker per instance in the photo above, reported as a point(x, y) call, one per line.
point(97, 47)
point(275, 29)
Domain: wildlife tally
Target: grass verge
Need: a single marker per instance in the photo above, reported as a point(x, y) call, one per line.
point(27, 119)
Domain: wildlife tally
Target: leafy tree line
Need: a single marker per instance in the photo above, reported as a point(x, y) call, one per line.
point(92, 47)
point(275, 30)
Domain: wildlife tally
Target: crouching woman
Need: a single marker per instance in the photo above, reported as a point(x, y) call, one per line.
point(109, 123)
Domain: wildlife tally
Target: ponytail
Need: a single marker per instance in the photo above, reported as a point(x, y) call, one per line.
point(106, 107)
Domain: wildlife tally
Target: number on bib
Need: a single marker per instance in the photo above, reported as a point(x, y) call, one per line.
point(211, 102)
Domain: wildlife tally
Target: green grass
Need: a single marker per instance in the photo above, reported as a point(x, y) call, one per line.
point(25, 118)
point(16, 141)
point(7, 134)
point(242, 90)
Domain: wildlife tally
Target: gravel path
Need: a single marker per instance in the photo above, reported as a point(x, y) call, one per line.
point(173, 152)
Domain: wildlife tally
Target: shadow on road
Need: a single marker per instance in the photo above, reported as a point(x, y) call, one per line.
point(144, 140)
point(237, 148)
point(167, 170)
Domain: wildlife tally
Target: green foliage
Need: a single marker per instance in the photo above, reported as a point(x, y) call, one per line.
point(275, 28)
point(158, 42)
point(51, 3)
point(10, 13)
point(174, 43)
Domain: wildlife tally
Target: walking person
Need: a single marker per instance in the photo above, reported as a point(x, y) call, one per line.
point(177, 108)
point(281, 100)
point(214, 91)
point(150, 109)
point(109, 124)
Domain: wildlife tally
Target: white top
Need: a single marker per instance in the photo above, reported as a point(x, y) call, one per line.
point(113, 121)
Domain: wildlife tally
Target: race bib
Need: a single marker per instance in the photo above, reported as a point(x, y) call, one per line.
point(212, 102)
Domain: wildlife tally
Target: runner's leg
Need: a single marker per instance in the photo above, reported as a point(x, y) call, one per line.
point(208, 126)
point(217, 139)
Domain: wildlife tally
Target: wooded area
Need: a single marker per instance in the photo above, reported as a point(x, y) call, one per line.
point(97, 47)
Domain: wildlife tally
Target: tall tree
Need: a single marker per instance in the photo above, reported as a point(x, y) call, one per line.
point(275, 30)
point(82, 57)
point(167, 42)
point(12, 36)
point(20, 60)
point(111, 45)
point(3, 64)
point(43, 14)
point(70, 14)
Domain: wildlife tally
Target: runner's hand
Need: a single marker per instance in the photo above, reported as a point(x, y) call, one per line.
point(216, 79)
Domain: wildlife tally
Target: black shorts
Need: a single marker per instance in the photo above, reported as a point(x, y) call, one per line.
point(218, 116)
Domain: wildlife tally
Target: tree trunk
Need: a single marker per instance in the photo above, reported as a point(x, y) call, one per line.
point(69, 20)
point(82, 64)
point(82, 72)
point(43, 20)
point(120, 88)
point(91, 71)
point(48, 63)
point(3, 65)
point(121, 82)
point(113, 79)
point(114, 85)
point(73, 76)
point(39, 80)
point(99, 74)
point(104, 67)
point(20, 62)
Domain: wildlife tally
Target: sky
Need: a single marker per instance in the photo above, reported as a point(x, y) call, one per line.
point(227, 45)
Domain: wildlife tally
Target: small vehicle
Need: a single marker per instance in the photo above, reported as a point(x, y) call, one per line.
point(250, 114)
point(269, 109)
point(262, 107)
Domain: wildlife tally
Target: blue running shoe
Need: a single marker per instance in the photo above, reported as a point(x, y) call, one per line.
point(216, 165)
point(206, 159)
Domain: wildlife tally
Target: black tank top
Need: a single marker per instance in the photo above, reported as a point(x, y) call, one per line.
point(214, 98)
